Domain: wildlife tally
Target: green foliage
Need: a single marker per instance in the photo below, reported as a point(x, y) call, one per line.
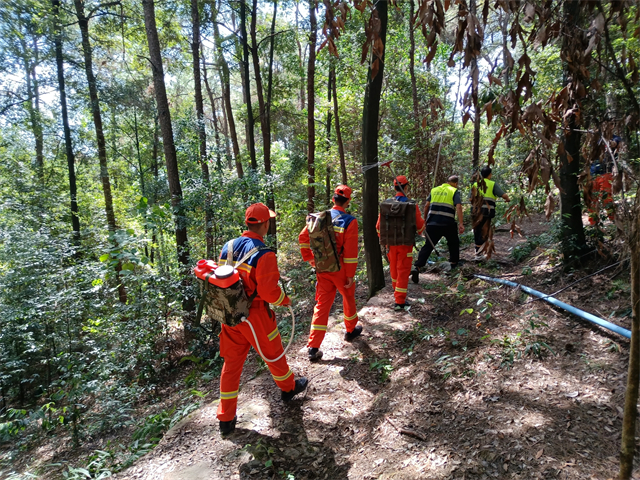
point(383, 366)
point(526, 342)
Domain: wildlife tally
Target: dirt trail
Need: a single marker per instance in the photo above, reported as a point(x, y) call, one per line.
point(422, 395)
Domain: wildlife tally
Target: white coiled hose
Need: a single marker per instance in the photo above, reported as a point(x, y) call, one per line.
point(293, 329)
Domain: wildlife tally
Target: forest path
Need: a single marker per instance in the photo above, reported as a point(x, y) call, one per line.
point(422, 394)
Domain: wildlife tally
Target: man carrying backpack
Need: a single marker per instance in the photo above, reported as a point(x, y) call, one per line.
point(335, 267)
point(400, 250)
point(489, 193)
point(260, 277)
point(442, 205)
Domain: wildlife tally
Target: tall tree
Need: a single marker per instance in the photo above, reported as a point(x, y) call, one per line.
point(171, 159)
point(343, 164)
point(225, 80)
point(83, 23)
point(573, 44)
point(202, 134)
point(250, 127)
point(628, 443)
point(475, 157)
point(265, 118)
point(214, 116)
point(30, 62)
point(271, 201)
point(370, 119)
point(311, 106)
point(73, 189)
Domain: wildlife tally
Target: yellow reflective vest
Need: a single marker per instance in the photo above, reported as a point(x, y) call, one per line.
point(489, 198)
point(442, 211)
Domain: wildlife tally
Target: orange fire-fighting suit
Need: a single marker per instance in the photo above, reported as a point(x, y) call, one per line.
point(401, 258)
point(346, 230)
point(603, 196)
point(259, 272)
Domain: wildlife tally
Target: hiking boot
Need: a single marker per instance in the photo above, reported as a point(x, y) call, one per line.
point(400, 307)
point(479, 257)
point(301, 384)
point(228, 427)
point(415, 274)
point(314, 354)
point(349, 336)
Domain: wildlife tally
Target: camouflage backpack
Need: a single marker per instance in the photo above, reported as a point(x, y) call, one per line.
point(322, 241)
point(397, 222)
point(228, 305)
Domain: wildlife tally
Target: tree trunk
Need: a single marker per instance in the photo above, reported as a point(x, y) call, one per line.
point(33, 105)
point(573, 239)
point(370, 200)
point(300, 59)
point(506, 73)
point(412, 63)
point(271, 203)
point(73, 189)
point(328, 141)
point(202, 134)
point(627, 448)
point(214, 115)
point(173, 175)
point(83, 23)
point(311, 105)
point(226, 95)
point(343, 164)
point(414, 86)
point(36, 103)
point(475, 158)
point(155, 172)
point(264, 122)
point(251, 143)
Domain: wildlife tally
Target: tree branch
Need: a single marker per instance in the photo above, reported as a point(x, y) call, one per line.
point(620, 72)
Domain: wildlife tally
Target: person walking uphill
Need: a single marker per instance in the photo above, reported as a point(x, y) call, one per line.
point(442, 205)
point(489, 194)
point(400, 248)
point(260, 278)
point(335, 267)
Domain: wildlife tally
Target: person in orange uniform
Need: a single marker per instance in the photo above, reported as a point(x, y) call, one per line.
point(345, 227)
point(259, 274)
point(401, 256)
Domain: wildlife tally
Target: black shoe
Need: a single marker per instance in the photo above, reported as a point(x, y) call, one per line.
point(228, 427)
point(314, 354)
point(400, 307)
point(301, 384)
point(415, 274)
point(350, 336)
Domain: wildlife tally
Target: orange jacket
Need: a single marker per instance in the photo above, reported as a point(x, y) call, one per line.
point(259, 271)
point(346, 242)
point(419, 219)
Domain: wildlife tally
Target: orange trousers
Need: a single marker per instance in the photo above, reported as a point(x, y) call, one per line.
point(234, 347)
point(326, 286)
point(400, 262)
point(603, 193)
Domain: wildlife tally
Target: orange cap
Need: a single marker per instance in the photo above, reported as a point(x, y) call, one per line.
point(400, 180)
point(258, 213)
point(343, 191)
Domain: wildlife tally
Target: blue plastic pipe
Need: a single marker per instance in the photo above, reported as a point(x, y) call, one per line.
point(576, 311)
